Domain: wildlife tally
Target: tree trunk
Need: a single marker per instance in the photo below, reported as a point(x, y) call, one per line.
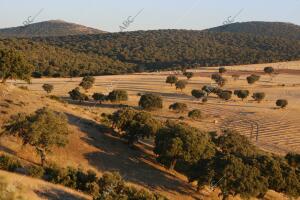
point(42, 154)
point(172, 165)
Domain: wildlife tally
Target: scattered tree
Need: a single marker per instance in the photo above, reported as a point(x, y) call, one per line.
point(171, 79)
point(208, 89)
point(180, 142)
point(117, 96)
point(151, 102)
point(43, 130)
point(195, 114)
point(75, 94)
point(270, 71)
point(222, 70)
point(225, 95)
point(252, 79)
point(99, 97)
point(48, 88)
point(188, 75)
point(198, 94)
point(181, 84)
point(258, 96)
point(242, 94)
point(178, 107)
point(282, 103)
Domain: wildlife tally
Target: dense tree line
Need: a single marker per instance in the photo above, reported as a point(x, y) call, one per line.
point(178, 48)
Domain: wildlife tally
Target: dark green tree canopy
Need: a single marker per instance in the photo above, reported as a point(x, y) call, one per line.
point(198, 94)
point(43, 130)
point(258, 96)
point(282, 103)
point(252, 79)
point(151, 102)
point(195, 114)
point(75, 94)
point(181, 84)
point(48, 87)
point(188, 75)
point(172, 79)
point(117, 96)
point(178, 107)
point(242, 94)
point(14, 66)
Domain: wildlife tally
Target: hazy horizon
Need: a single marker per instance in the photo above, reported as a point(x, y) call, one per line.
point(109, 16)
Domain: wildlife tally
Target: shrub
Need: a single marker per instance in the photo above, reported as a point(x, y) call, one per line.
point(75, 94)
point(198, 94)
point(242, 94)
point(36, 74)
point(222, 70)
point(181, 84)
point(188, 75)
point(171, 79)
point(225, 95)
point(48, 88)
point(269, 70)
point(117, 96)
point(9, 163)
point(252, 79)
point(86, 85)
point(99, 97)
point(258, 96)
point(36, 171)
point(179, 107)
point(195, 114)
point(151, 102)
point(282, 103)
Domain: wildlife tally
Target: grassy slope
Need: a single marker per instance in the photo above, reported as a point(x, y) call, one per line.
point(91, 145)
point(34, 189)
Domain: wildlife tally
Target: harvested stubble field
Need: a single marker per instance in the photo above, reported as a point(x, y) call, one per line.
point(92, 146)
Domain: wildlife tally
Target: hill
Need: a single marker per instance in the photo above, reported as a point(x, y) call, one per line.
point(267, 29)
point(128, 52)
point(166, 49)
point(48, 28)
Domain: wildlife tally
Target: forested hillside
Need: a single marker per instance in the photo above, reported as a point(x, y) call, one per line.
point(126, 52)
point(174, 48)
point(268, 29)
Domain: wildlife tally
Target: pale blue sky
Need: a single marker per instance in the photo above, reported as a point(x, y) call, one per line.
point(108, 15)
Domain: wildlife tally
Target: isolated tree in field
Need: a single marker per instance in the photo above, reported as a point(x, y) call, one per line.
point(14, 66)
point(181, 84)
point(48, 88)
point(171, 79)
point(225, 95)
point(235, 77)
point(181, 142)
point(198, 94)
point(134, 124)
point(43, 130)
point(75, 94)
point(86, 85)
point(195, 114)
point(258, 96)
point(178, 107)
point(252, 79)
point(215, 76)
point(188, 75)
point(270, 71)
point(242, 94)
point(151, 102)
point(282, 103)
point(219, 79)
point(89, 79)
point(222, 70)
point(117, 96)
point(99, 97)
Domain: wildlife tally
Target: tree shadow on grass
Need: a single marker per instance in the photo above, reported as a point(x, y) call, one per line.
point(134, 165)
point(56, 194)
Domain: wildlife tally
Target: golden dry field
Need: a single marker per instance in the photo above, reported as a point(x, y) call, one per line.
point(92, 146)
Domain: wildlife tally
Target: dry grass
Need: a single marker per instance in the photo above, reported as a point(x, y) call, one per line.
point(93, 147)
